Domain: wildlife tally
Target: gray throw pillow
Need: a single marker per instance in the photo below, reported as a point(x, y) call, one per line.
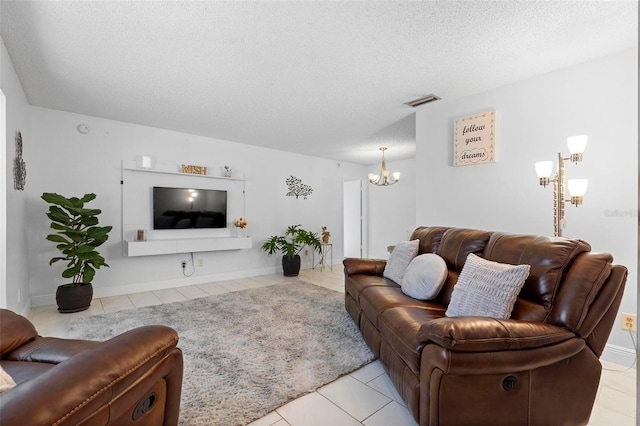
point(402, 254)
point(486, 289)
point(424, 276)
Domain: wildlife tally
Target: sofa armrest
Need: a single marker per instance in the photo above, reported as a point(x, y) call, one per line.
point(95, 378)
point(480, 334)
point(353, 266)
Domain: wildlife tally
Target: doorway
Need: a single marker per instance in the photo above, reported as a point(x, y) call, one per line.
point(3, 202)
point(352, 218)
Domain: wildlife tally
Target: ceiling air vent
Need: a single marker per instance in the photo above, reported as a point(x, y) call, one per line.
point(423, 100)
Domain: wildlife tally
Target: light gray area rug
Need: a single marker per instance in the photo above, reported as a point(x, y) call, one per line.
point(248, 352)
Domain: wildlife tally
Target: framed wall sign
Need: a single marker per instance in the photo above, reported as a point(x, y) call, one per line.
point(474, 139)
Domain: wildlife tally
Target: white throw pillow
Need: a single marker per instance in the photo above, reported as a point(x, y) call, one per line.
point(6, 381)
point(486, 289)
point(402, 254)
point(424, 276)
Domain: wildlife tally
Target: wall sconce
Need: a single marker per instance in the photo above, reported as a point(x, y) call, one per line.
point(577, 187)
point(383, 179)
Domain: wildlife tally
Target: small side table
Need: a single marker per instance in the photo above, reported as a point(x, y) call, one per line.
point(326, 250)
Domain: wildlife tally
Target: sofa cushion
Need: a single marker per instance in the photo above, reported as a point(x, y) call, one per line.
point(399, 326)
point(16, 331)
point(375, 300)
point(429, 237)
point(486, 289)
point(424, 276)
point(549, 258)
point(457, 243)
point(355, 284)
point(24, 371)
point(402, 254)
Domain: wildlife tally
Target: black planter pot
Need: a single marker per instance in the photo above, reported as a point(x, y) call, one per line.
point(74, 299)
point(291, 265)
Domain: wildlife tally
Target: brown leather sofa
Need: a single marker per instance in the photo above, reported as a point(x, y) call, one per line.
point(132, 379)
point(540, 367)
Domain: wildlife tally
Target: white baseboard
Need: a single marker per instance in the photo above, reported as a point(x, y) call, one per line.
point(24, 310)
point(50, 299)
point(619, 355)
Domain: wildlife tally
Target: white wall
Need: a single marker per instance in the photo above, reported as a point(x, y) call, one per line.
point(14, 265)
point(71, 163)
point(534, 118)
point(391, 209)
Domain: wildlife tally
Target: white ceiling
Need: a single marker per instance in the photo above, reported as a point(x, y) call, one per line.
point(327, 79)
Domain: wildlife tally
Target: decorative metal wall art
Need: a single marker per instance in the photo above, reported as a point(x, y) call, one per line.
point(297, 188)
point(19, 166)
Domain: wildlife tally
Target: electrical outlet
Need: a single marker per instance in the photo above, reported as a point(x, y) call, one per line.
point(201, 262)
point(184, 265)
point(628, 322)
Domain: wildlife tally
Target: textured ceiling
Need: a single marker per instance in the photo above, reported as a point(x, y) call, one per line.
point(321, 78)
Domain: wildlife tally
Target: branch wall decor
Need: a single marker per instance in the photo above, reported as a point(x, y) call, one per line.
point(19, 166)
point(297, 188)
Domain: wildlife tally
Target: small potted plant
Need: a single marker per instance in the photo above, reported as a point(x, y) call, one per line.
point(240, 223)
point(290, 244)
point(325, 235)
point(77, 237)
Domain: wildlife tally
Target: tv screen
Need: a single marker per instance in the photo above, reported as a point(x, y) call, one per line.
point(184, 208)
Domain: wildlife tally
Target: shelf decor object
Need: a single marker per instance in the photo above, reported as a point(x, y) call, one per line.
point(145, 161)
point(383, 179)
point(474, 139)
point(577, 187)
point(194, 170)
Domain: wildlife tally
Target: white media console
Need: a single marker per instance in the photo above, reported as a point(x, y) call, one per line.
point(185, 245)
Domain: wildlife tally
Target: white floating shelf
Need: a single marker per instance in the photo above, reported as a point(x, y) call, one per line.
point(170, 172)
point(185, 245)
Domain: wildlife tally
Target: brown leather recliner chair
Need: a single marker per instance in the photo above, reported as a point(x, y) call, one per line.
point(132, 379)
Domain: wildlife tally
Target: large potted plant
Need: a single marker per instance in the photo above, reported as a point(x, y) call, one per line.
point(290, 244)
point(77, 237)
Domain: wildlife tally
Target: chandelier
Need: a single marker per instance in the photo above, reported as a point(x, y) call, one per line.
point(383, 179)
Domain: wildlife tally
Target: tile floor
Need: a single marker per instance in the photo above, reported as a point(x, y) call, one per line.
point(364, 397)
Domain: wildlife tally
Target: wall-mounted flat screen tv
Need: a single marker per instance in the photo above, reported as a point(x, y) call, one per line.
point(185, 208)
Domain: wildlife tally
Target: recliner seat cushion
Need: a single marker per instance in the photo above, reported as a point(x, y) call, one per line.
point(375, 300)
point(400, 326)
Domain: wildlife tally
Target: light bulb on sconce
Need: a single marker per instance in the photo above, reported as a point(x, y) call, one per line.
point(577, 187)
point(544, 169)
point(577, 144)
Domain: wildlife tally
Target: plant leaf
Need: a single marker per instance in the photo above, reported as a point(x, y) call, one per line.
point(87, 274)
point(57, 238)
